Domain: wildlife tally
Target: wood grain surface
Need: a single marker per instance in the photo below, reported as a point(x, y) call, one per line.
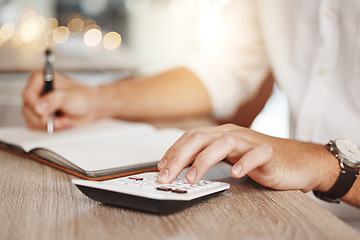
point(40, 202)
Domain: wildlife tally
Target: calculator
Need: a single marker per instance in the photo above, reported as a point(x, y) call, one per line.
point(143, 192)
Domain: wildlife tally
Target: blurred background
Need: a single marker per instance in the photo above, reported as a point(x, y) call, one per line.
point(99, 41)
point(93, 41)
point(146, 35)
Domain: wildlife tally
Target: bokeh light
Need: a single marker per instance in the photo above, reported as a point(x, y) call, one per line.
point(16, 40)
point(88, 22)
point(74, 15)
point(39, 33)
point(112, 40)
point(28, 15)
point(7, 31)
point(61, 34)
point(91, 26)
point(76, 26)
point(92, 37)
point(32, 28)
point(51, 24)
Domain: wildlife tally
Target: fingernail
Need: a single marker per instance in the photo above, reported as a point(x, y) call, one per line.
point(162, 163)
point(236, 169)
point(163, 175)
point(191, 174)
point(41, 107)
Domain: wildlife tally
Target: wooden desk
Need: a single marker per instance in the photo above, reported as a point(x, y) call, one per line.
point(39, 202)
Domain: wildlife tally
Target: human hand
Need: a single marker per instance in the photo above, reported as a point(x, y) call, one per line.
point(280, 164)
point(75, 103)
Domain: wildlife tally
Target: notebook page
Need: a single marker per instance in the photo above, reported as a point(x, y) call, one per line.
point(103, 129)
point(120, 152)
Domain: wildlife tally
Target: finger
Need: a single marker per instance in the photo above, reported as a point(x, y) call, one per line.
point(49, 103)
point(62, 122)
point(34, 88)
point(182, 156)
point(190, 133)
point(174, 148)
point(33, 120)
point(181, 141)
point(171, 156)
point(221, 148)
point(258, 163)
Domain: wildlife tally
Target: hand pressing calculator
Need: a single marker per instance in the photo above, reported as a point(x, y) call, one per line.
point(143, 192)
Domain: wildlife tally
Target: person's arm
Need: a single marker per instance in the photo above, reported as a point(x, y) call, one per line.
point(277, 163)
point(174, 93)
point(177, 92)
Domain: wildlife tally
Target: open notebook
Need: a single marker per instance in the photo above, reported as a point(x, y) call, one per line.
point(105, 149)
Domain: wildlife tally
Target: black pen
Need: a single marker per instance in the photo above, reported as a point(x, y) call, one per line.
point(48, 78)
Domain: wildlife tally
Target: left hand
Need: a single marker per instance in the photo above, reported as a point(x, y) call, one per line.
point(78, 103)
point(277, 163)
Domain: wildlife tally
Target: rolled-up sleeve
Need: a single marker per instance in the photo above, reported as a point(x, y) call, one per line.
point(231, 58)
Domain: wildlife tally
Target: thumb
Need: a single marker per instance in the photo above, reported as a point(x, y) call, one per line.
point(258, 163)
point(49, 103)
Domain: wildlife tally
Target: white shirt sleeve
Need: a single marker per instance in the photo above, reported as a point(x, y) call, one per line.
point(231, 59)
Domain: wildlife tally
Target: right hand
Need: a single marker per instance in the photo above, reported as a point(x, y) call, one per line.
point(75, 102)
point(277, 163)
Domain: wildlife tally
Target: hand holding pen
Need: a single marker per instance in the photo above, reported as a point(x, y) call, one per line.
point(48, 78)
point(59, 105)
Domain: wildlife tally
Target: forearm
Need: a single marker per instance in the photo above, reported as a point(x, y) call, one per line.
point(174, 93)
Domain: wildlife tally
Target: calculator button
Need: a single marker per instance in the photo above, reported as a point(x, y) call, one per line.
point(136, 178)
point(163, 188)
point(178, 191)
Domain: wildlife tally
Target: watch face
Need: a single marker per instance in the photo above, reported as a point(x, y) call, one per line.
point(348, 150)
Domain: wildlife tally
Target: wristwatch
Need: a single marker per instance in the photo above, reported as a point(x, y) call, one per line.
point(348, 155)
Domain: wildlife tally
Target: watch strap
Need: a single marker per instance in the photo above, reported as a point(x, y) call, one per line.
point(342, 185)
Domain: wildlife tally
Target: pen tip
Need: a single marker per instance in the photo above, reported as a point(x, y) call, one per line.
point(48, 52)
